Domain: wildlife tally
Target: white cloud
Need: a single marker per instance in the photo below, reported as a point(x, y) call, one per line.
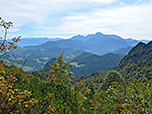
point(41, 15)
point(92, 1)
point(38, 11)
point(127, 21)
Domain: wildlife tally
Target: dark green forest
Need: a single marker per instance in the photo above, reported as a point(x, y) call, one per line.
point(126, 89)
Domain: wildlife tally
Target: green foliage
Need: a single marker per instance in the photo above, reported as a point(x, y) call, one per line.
point(14, 100)
point(60, 72)
point(136, 70)
point(112, 76)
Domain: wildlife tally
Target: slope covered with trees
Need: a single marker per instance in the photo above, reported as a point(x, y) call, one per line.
point(138, 62)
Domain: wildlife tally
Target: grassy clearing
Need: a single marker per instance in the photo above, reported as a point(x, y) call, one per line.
point(77, 65)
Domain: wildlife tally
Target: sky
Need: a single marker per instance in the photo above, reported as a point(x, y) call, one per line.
point(67, 18)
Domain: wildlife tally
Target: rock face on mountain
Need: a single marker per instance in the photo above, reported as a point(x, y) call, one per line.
point(140, 52)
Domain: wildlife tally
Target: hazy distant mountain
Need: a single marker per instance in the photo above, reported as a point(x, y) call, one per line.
point(38, 41)
point(100, 44)
point(35, 41)
point(144, 41)
point(123, 51)
point(95, 43)
point(132, 42)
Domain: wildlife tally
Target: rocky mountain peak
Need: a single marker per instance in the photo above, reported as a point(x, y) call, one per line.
point(140, 52)
point(149, 44)
point(139, 46)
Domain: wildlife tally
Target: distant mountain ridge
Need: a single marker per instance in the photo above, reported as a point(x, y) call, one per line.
point(38, 41)
point(123, 51)
point(35, 41)
point(95, 43)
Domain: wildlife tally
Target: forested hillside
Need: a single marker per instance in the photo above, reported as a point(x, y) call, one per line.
point(138, 62)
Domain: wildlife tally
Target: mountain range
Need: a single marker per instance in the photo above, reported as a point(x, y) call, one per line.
point(34, 41)
point(40, 52)
point(95, 43)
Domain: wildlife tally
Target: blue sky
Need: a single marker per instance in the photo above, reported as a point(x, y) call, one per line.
point(66, 18)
